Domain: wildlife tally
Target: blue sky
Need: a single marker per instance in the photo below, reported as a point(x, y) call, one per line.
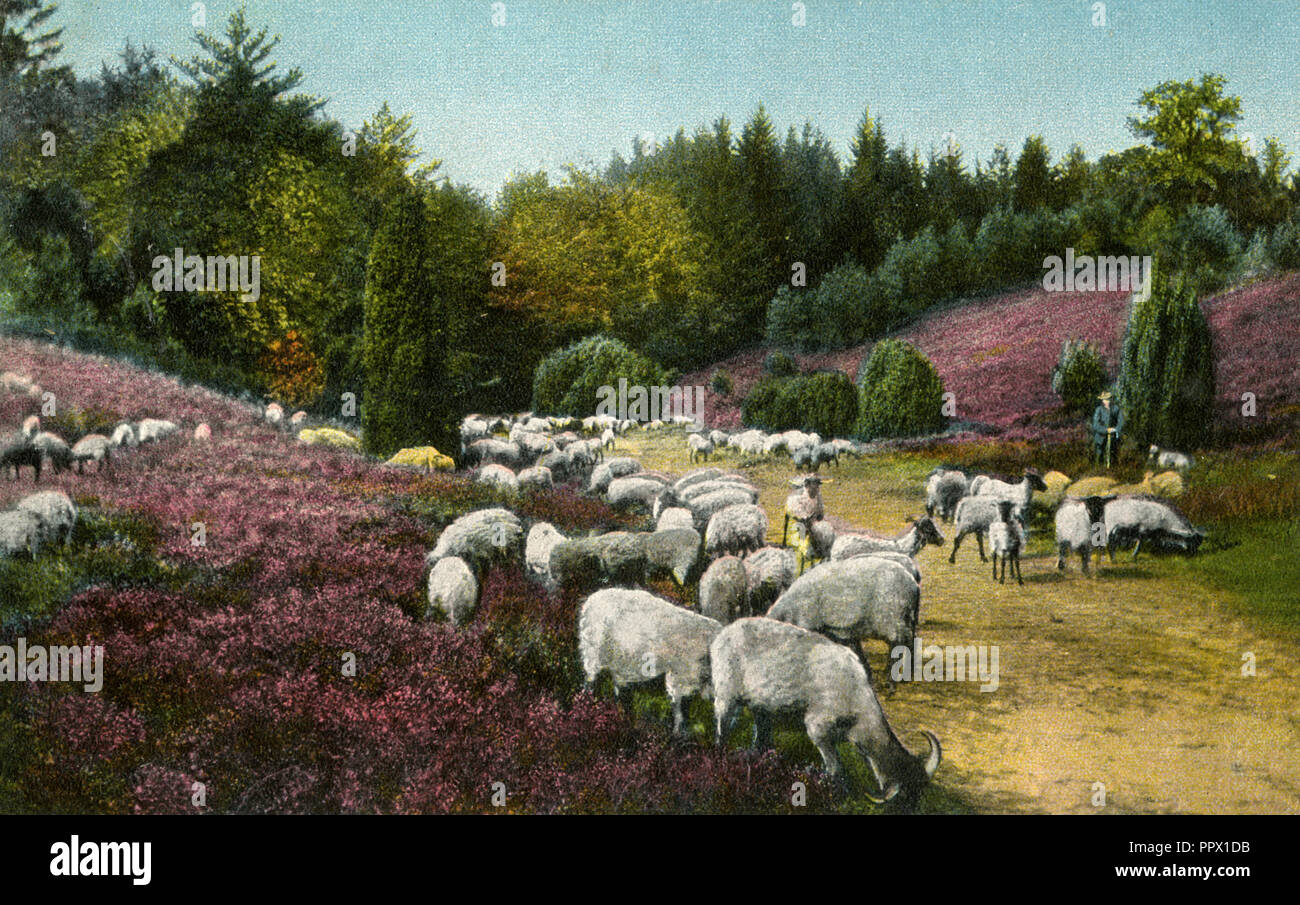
point(570, 81)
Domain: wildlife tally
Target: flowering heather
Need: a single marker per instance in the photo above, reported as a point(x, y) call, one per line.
point(225, 661)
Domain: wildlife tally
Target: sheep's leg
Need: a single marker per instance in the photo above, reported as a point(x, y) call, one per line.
point(979, 539)
point(762, 738)
point(956, 543)
point(823, 737)
point(995, 567)
point(1086, 556)
point(785, 530)
point(1020, 578)
point(725, 712)
point(1060, 557)
point(679, 715)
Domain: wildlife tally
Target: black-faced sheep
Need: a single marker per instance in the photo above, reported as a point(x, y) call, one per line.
point(1138, 520)
point(54, 448)
point(921, 531)
point(1006, 540)
point(1080, 526)
point(17, 452)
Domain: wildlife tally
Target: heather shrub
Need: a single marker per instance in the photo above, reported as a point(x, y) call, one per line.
point(900, 392)
point(722, 383)
point(1079, 375)
point(779, 364)
point(1166, 373)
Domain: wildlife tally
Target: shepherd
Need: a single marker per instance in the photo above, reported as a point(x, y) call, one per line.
point(1107, 426)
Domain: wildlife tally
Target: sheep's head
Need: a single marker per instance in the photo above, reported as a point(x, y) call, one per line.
point(1036, 480)
point(930, 532)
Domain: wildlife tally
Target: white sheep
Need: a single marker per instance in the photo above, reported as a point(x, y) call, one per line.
point(770, 570)
point(700, 445)
point(1079, 523)
point(1167, 458)
point(776, 668)
point(738, 529)
point(804, 504)
point(480, 538)
point(538, 476)
point(718, 438)
point(974, 515)
point(124, 435)
point(495, 452)
point(56, 511)
point(274, 414)
point(604, 473)
point(1021, 493)
point(943, 490)
point(497, 476)
point(542, 539)
point(673, 550)
point(154, 429)
point(1006, 540)
point(705, 506)
point(637, 637)
point(20, 532)
point(724, 590)
point(1136, 520)
point(617, 557)
point(453, 590)
point(635, 490)
point(93, 448)
point(814, 541)
point(694, 477)
point(675, 517)
point(607, 438)
point(921, 531)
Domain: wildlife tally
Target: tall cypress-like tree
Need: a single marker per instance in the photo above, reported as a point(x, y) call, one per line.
point(1034, 182)
point(406, 400)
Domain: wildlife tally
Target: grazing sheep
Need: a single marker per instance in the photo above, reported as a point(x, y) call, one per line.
point(1167, 458)
point(557, 460)
point(93, 448)
point(718, 438)
point(827, 453)
point(480, 538)
point(706, 506)
point(724, 590)
point(943, 490)
point(775, 668)
point(298, 419)
point(607, 438)
point(974, 516)
point(921, 531)
point(153, 429)
point(1006, 540)
point(804, 504)
point(721, 482)
point(1075, 521)
point(15, 383)
point(202, 433)
point(675, 517)
point(805, 458)
point(771, 570)
point(56, 512)
point(635, 490)
point(813, 542)
point(603, 474)
point(453, 590)
point(498, 476)
point(17, 452)
point(124, 435)
point(695, 477)
point(737, 529)
point(675, 551)
point(853, 600)
point(542, 539)
point(906, 562)
point(54, 448)
point(274, 414)
point(20, 532)
point(700, 445)
point(637, 637)
point(31, 426)
point(537, 476)
point(618, 557)
point(494, 452)
point(1020, 493)
point(1138, 519)
point(750, 443)
point(532, 446)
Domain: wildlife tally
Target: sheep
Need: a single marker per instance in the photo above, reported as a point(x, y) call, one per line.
point(618, 557)
point(694, 477)
point(1167, 458)
point(607, 471)
point(15, 383)
point(453, 590)
point(607, 438)
point(153, 429)
point(722, 482)
point(634, 490)
point(494, 452)
point(704, 507)
point(1021, 493)
point(675, 551)
point(675, 517)
point(974, 516)
point(124, 435)
point(718, 438)
point(700, 445)
point(739, 529)
point(537, 476)
point(497, 476)
point(805, 458)
point(56, 512)
point(922, 531)
point(1006, 539)
point(557, 461)
point(542, 539)
point(852, 600)
point(637, 637)
point(813, 541)
point(1075, 525)
point(480, 538)
point(804, 504)
point(298, 419)
point(202, 433)
point(943, 490)
point(751, 444)
point(770, 571)
point(274, 414)
point(20, 532)
point(532, 446)
point(724, 590)
point(93, 448)
point(54, 448)
point(775, 668)
point(977, 484)
point(903, 560)
point(31, 426)
point(1138, 519)
point(585, 453)
point(17, 452)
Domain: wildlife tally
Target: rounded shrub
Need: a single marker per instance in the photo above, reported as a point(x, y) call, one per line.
point(825, 402)
point(1205, 243)
point(900, 393)
point(568, 381)
point(721, 383)
point(1079, 375)
point(778, 364)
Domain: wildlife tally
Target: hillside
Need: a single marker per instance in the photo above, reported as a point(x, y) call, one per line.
point(996, 354)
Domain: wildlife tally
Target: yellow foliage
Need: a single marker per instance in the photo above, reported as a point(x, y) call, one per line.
point(425, 457)
point(329, 436)
point(1096, 485)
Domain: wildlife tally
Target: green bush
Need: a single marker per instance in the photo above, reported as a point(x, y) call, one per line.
point(900, 393)
point(722, 383)
point(1204, 243)
point(1079, 375)
point(1284, 245)
point(825, 402)
point(1166, 376)
point(778, 364)
point(568, 381)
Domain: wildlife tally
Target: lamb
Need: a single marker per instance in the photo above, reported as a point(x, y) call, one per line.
point(537, 476)
point(453, 590)
point(852, 600)
point(56, 512)
point(1006, 539)
point(770, 571)
point(675, 551)
point(724, 590)
point(54, 448)
point(17, 452)
point(772, 667)
point(737, 529)
point(1167, 458)
point(700, 445)
point(20, 532)
point(922, 531)
point(480, 538)
point(93, 448)
point(1076, 521)
point(675, 517)
point(543, 537)
point(498, 476)
point(607, 471)
point(1138, 519)
point(943, 491)
point(153, 429)
point(974, 516)
point(804, 504)
point(704, 507)
point(637, 637)
point(635, 490)
point(124, 435)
